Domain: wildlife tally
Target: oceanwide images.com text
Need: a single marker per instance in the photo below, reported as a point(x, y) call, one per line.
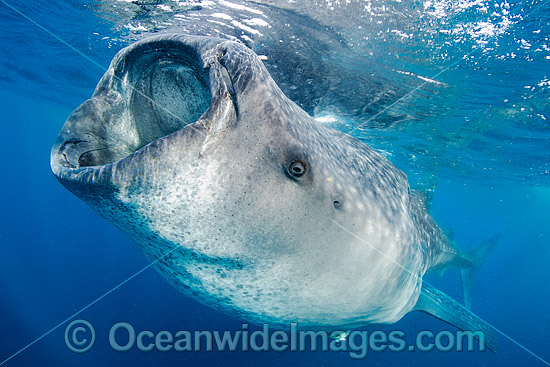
point(80, 337)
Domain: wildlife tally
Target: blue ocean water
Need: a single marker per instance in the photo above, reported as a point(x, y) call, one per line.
point(456, 94)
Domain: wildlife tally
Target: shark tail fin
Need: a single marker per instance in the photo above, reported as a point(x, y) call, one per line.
point(474, 261)
point(445, 308)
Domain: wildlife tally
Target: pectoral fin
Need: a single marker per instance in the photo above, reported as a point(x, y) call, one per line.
point(445, 308)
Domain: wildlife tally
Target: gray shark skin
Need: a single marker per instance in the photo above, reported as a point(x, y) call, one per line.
point(243, 200)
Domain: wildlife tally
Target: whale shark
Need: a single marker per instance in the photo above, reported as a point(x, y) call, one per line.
point(245, 202)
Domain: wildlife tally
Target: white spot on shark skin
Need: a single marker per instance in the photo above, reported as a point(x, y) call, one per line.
point(220, 23)
point(257, 21)
point(240, 7)
point(221, 16)
point(248, 39)
point(246, 28)
point(165, 8)
point(138, 27)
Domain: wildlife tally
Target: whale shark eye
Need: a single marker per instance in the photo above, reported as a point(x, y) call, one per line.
point(297, 168)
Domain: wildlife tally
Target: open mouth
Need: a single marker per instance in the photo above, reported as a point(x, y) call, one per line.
point(168, 96)
point(152, 93)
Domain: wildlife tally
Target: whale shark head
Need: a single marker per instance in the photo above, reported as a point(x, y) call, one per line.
point(239, 196)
